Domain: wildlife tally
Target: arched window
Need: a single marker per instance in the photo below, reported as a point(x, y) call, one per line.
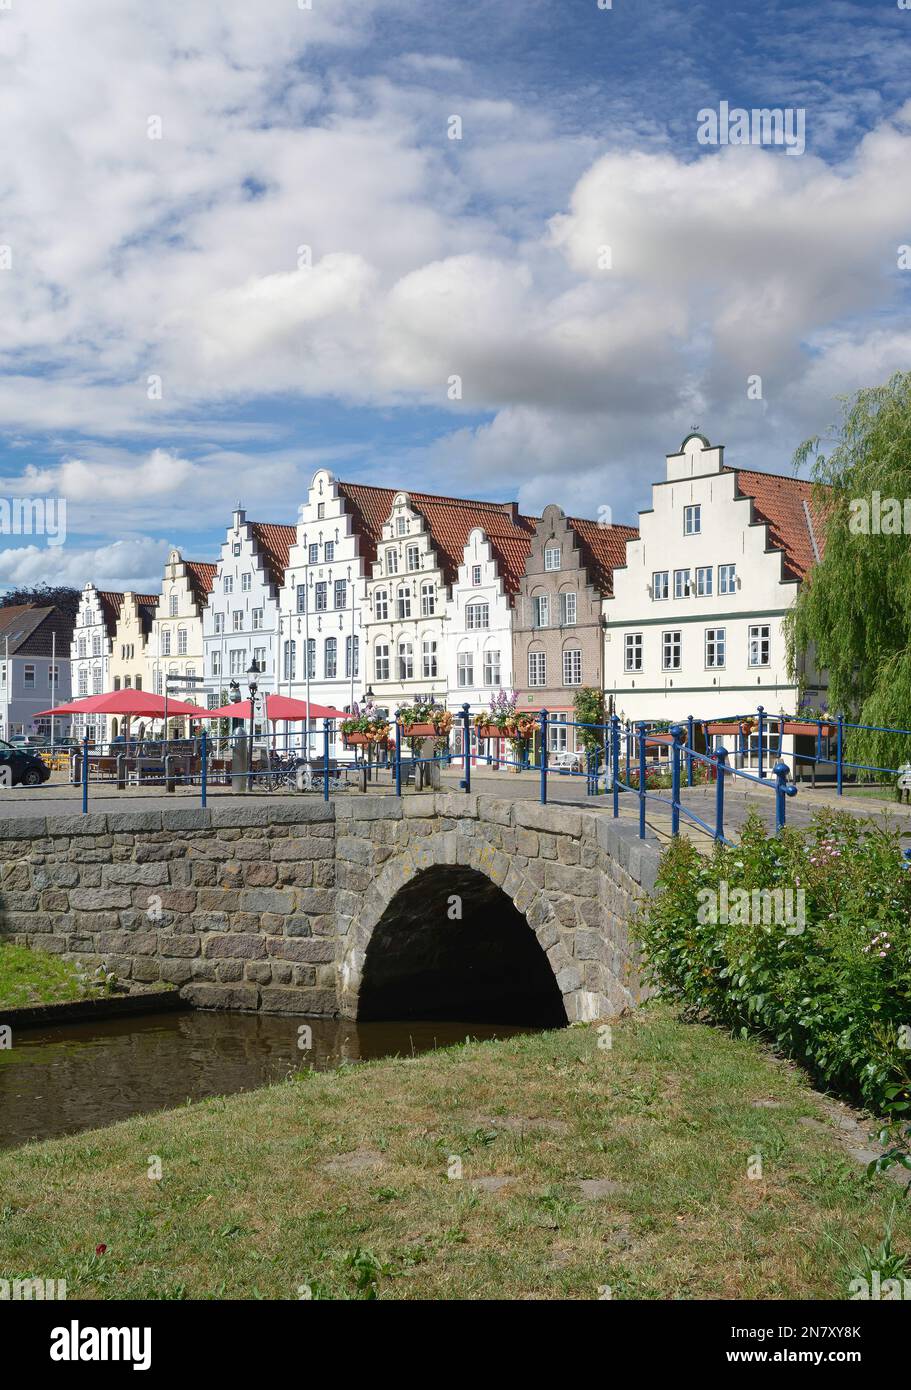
point(428, 600)
point(381, 661)
point(403, 601)
point(330, 668)
point(381, 604)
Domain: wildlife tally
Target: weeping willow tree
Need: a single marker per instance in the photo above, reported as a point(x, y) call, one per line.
point(854, 614)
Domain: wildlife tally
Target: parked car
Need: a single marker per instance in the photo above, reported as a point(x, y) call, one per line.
point(27, 767)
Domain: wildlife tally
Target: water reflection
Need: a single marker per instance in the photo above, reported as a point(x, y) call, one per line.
point(62, 1080)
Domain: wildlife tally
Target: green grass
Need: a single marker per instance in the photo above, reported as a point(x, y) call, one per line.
point(259, 1196)
point(35, 977)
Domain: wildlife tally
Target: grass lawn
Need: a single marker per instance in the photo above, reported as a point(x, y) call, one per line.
point(340, 1181)
point(35, 977)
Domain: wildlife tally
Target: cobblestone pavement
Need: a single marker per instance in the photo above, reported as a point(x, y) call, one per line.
point(58, 797)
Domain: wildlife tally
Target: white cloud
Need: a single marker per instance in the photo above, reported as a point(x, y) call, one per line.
point(135, 564)
point(180, 257)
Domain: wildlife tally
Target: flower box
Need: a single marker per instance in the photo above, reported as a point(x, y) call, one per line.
point(810, 726)
point(420, 731)
point(490, 731)
point(365, 741)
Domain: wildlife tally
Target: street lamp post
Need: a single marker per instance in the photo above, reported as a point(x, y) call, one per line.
point(252, 673)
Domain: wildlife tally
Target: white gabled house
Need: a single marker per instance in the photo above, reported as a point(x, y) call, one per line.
point(240, 621)
point(479, 631)
point(176, 646)
point(695, 623)
point(320, 607)
point(90, 656)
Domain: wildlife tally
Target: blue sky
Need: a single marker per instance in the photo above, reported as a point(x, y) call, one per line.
point(168, 347)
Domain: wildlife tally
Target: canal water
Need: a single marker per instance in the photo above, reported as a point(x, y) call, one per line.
point(61, 1080)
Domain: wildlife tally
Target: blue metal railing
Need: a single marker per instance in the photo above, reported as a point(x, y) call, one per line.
point(615, 756)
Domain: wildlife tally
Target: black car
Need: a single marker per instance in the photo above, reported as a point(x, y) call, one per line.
point(26, 767)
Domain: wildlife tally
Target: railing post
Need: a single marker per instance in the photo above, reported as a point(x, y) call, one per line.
point(325, 758)
point(760, 740)
point(466, 746)
point(782, 790)
point(676, 732)
point(721, 758)
point(204, 767)
point(85, 775)
point(641, 728)
point(689, 745)
point(615, 760)
point(543, 720)
point(398, 755)
point(839, 766)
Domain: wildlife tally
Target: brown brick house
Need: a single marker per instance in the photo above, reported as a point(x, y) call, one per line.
point(558, 628)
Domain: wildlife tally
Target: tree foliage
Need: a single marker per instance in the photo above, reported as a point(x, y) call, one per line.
point(856, 609)
point(44, 596)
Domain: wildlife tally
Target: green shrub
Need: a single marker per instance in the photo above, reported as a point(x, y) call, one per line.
point(832, 990)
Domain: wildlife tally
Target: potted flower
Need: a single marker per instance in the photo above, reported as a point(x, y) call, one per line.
point(365, 728)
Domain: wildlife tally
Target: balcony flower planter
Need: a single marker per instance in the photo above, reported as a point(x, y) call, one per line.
point(366, 741)
point(809, 726)
point(420, 731)
point(490, 731)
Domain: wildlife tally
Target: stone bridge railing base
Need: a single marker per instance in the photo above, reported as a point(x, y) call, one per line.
point(272, 906)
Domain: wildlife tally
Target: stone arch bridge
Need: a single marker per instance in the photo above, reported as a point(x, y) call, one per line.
point(432, 905)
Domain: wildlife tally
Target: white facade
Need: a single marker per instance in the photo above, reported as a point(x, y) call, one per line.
point(320, 611)
point(478, 632)
point(176, 644)
point(404, 618)
point(240, 621)
point(90, 656)
point(695, 625)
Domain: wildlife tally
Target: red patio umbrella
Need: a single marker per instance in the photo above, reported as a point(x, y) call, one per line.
point(276, 707)
point(127, 702)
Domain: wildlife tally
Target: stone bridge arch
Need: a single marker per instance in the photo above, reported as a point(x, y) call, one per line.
point(542, 864)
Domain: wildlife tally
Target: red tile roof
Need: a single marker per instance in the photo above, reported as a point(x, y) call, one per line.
point(110, 608)
point(201, 574)
point(450, 520)
point(602, 549)
point(779, 502)
point(274, 543)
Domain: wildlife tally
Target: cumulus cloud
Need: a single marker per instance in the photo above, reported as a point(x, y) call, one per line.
point(305, 231)
point(135, 564)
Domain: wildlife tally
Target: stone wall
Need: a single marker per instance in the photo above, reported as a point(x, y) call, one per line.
point(272, 906)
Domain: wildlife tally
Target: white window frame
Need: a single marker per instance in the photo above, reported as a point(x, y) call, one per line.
point(672, 649)
point(756, 642)
point(537, 669)
point(660, 585)
point(552, 558)
point(572, 666)
point(715, 648)
point(692, 519)
point(632, 651)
